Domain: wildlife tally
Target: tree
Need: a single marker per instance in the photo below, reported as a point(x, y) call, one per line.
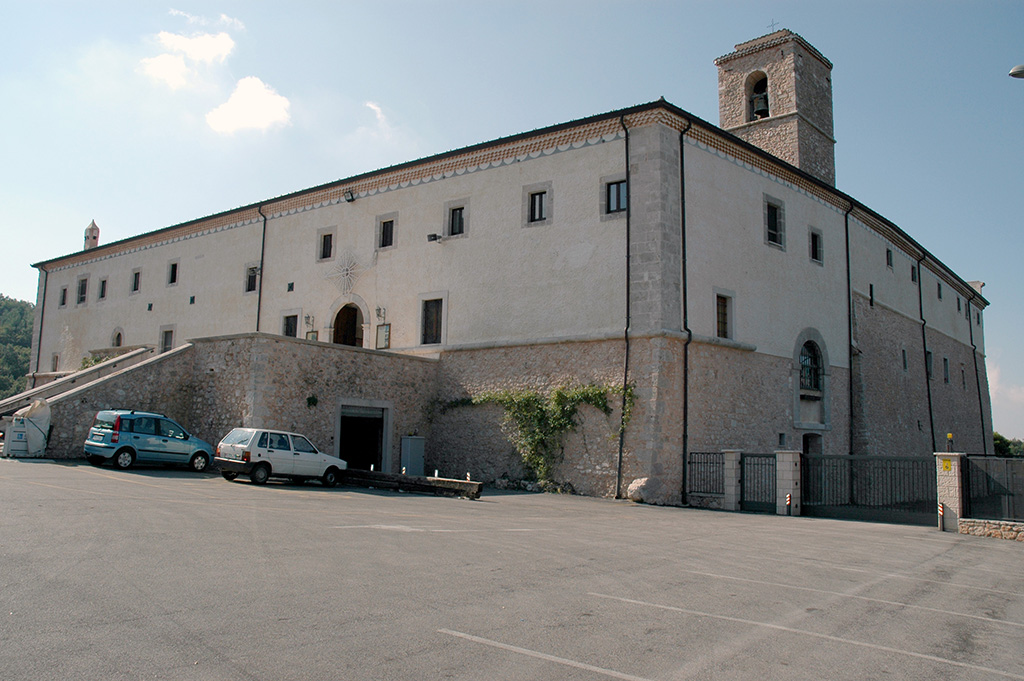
point(15, 344)
point(1006, 446)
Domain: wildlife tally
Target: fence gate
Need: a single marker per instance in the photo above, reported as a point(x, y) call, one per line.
point(757, 483)
point(993, 488)
point(880, 488)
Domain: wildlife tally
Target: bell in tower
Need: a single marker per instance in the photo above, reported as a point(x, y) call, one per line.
point(759, 100)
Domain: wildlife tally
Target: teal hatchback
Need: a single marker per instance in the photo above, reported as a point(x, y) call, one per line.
point(126, 436)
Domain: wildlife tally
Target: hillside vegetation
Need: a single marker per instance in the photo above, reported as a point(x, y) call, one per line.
point(15, 343)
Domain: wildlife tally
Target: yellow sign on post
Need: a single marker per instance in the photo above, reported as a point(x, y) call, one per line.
point(947, 465)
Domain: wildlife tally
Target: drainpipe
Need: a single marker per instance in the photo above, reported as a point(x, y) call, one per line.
point(686, 309)
point(924, 344)
point(263, 250)
point(42, 319)
point(625, 335)
point(977, 377)
point(849, 326)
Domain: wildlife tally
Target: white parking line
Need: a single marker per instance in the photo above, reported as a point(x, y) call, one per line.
point(406, 528)
point(847, 595)
point(543, 656)
point(814, 634)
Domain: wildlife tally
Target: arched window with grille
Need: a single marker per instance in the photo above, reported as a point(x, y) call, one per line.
point(810, 367)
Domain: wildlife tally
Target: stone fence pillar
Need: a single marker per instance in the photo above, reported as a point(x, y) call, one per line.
point(950, 492)
point(731, 501)
point(787, 481)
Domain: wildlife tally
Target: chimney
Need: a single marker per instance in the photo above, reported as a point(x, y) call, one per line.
point(92, 236)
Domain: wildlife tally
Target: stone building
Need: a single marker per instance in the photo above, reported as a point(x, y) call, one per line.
point(717, 271)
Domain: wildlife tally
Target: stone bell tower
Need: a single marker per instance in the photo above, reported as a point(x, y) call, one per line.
point(776, 93)
point(92, 236)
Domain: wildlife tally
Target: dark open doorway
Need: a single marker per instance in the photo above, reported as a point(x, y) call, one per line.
point(361, 442)
point(348, 326)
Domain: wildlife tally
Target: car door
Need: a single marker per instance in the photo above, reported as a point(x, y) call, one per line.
point(175, 442)
point(279, 453)
point(306, 457)
point(146, 439)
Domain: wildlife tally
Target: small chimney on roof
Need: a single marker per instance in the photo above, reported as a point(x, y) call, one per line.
point(92, 236)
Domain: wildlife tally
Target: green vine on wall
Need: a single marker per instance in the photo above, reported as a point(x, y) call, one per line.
point(537, 423)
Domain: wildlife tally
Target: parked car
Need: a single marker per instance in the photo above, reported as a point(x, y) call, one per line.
point(127, 436)
point(264, 454)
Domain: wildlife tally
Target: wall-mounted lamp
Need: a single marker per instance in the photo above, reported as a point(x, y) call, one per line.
point(434, 237)
point(349, 196)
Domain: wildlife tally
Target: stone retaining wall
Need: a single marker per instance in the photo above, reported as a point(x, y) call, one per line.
point(1000, 529)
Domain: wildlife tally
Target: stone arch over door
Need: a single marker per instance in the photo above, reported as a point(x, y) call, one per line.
point(349, 321)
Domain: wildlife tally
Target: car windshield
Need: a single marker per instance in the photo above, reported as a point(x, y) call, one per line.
point(238, 436)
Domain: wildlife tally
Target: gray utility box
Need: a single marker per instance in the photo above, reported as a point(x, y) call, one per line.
point(412, 455)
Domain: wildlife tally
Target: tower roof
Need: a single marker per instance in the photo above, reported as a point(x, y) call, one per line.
point(783, 35)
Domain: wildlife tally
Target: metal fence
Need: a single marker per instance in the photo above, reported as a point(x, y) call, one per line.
point(705, 473)
point(758, 487)
point(882, 488)
point(993, 488)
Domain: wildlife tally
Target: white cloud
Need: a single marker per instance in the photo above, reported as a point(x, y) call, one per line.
point(253, 105)
point(168, 68)
point(206, 47)
point(382, 130)
point(223, 19)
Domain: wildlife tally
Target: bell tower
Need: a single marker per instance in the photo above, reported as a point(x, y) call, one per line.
point(776, 93)
point(92, 236)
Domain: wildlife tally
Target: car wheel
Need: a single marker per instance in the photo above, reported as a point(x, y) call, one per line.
point(199, 462)
point(330, 478)
point(95, 460)
point(229, 475)
point(260, 474)
point(124, 459)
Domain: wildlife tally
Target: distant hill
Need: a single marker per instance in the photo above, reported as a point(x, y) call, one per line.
point(15, 344)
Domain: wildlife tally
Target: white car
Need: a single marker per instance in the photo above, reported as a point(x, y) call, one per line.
point(264, 454)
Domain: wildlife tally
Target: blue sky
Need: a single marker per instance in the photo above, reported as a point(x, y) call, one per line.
point(142, 115)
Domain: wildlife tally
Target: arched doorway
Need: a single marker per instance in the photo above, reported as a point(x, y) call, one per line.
point(348, 326)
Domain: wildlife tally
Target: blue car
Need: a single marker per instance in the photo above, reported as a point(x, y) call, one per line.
point(126, 436)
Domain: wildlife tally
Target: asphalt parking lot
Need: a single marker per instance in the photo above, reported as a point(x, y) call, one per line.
point(165, 574)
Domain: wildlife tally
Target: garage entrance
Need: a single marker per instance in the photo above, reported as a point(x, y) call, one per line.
point(361, 442)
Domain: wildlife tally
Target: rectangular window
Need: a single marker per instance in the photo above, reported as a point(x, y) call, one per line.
point(166, 340)
point(538, 206)
point(64, 296)
point(945, 369)
point(83, 287)
point(103, 289)
point(774, 222)
point(250, 279)
point(136, 281)
point(387, 233)
point(913, 273)
point(615, 199)
point(291, 326)
point(722, 316)
point(172, 274)
point(54, 362)
point(326, 246)
point(928, 363)
point(457, 221)
point(871, 295)
point(904, 359)
point(939, 289)
point(432, 310)
point(816, 247)
point(963, 378)
point(888, 258)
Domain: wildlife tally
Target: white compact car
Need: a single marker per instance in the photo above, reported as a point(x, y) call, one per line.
point(264, 454)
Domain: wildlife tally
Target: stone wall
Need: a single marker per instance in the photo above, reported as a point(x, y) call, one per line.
point(891, 403)
point(213, 385)
point(999, 529)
